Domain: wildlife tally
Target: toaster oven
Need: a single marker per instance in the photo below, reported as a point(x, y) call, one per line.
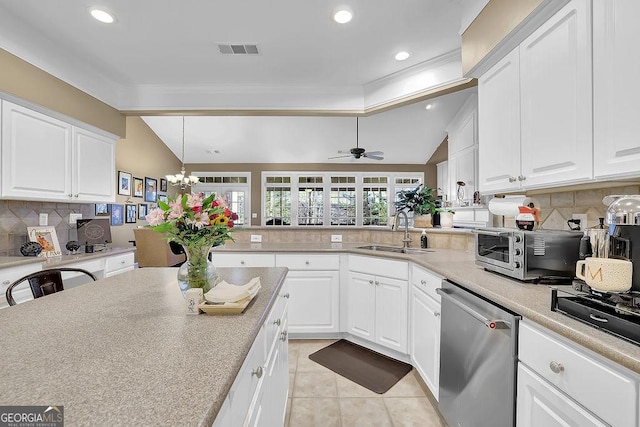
point(528, 255)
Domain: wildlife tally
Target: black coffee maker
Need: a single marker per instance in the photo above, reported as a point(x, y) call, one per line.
point(623, 218)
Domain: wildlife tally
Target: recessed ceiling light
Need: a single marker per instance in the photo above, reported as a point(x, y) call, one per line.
point(428, 106)
point(343, 16)
point(401, 56)
point(102, 16)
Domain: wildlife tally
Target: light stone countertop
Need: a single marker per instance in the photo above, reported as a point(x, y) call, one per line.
point(122, 350)
point(531, 301)
point(59, 261)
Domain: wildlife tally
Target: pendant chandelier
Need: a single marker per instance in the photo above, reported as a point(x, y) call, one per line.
point(181, 179)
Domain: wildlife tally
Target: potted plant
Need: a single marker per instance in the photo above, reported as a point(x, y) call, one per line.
point(446, 217)
point(421, 201)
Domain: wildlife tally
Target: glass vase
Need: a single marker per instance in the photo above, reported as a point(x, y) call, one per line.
point(198, 271)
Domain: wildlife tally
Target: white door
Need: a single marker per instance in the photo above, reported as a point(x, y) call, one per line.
point(499, 126)
point(615, 99)
point(362, 303)
point(541, 404)
point(314, 302)
point(425, 338)
point(392, 313)
point(94, 160)
point(36, 155)
point(556, 107)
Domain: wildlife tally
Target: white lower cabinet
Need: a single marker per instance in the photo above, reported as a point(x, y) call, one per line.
point(563, 381)
point(119, 264)
point(22, 292)
point(258, 396)
point(424, 340)
point(540, 404)
point(378, 305)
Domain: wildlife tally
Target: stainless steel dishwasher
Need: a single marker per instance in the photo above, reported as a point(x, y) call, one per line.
point(478, 357)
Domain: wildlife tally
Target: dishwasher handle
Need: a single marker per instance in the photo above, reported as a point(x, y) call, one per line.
point(489, 323)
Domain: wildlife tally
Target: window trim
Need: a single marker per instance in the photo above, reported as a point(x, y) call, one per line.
point(208, 186)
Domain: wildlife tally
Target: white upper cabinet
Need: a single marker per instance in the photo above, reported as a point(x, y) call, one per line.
point(462, 162)
point(36, 154)
point(555, 90)
point(535, 109)
point(499, 132)
point(44, 158)
point(616, 66)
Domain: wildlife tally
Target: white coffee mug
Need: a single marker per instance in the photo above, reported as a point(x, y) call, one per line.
point(606, 274)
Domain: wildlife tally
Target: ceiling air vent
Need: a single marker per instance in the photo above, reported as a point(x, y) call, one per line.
point(238, 49)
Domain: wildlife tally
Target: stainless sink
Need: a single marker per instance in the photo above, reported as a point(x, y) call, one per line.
point(395, 249)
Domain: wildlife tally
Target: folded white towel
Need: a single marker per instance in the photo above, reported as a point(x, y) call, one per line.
point(227, 292)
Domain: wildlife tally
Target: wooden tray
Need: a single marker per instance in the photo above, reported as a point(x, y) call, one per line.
point(228, 307)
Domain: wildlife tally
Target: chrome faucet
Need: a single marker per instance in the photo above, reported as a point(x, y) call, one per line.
point(407, 240)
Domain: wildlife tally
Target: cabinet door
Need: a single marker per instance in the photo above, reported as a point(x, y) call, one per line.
point(466, 172)
point(425, 338)
point(499, 126)
point(540, 404)
point(362, 303)
point(443, 179)
point(392, 313)
point(555, 77)
point(314, 301)
point(615, 100)
point(93, 167)
point(36, 155)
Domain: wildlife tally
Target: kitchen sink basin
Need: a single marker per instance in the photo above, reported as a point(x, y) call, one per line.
point(395, 249)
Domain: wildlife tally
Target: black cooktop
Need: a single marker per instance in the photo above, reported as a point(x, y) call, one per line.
point(617, 314)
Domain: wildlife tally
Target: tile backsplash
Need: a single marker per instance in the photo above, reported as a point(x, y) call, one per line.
point(16, 216)
point(557, 208)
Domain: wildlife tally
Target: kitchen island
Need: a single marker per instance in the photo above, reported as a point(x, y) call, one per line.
point(122, 350)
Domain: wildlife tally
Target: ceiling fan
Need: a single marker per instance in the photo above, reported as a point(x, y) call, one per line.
point(358, 152)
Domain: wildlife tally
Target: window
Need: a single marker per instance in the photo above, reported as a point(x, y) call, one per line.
point(277, 201)
point(233, 187)
point(328, 198)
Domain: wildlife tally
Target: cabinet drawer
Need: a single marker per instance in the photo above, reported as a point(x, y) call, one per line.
point(276, 318)
point(608, 393)
point(118, 262)
point(95, 266)
point(21, 292)
point(243, 260)
point(426, 281)
point(379, 267)
point(308, 262)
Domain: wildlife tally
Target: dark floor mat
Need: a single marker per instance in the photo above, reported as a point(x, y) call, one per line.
point(372, 370)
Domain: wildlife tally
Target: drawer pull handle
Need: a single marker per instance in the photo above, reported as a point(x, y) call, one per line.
point(242, 262)
point(283, 336)
point(371, 282)
point(258, 372)
point(306, 262)
point(277, 322)
point(377, 283)
point(598, 318)
point(512, 179)
point(6, 282)
point(556, 367)
point(436, 313)
point(424, 282)
point(286, 295)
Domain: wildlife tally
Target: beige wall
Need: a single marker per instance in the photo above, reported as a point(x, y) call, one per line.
point(19, 78)
point(142, 154)
point(256, 170)
point(494, 23)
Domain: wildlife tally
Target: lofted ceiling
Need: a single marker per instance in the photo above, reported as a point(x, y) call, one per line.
point(162, 56)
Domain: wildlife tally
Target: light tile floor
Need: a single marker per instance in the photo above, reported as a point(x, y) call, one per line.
point(320, 397)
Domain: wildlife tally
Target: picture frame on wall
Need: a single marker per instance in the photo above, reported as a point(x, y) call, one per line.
point(124, 183)
point(117, 214)
point(164, 198)
point(47, 238)
point(150, 189)
point(138, 187)
point(163, 185)
point(142, 210)
point(102, 209)
point(131, 213)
